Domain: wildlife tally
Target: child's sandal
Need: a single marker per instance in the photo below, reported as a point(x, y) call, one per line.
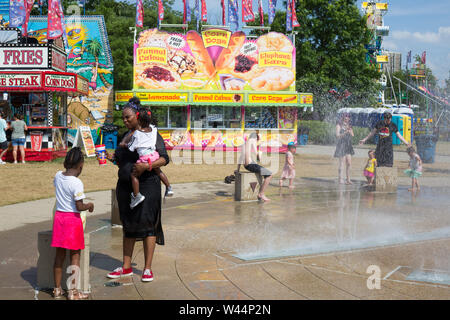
point(74, 294)
point(58, 293)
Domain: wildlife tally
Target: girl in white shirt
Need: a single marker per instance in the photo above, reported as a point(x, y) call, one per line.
point(68, 230)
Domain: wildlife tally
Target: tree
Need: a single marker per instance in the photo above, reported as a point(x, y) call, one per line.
point(331, 53)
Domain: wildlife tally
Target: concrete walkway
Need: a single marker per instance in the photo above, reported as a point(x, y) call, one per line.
point(315, 242)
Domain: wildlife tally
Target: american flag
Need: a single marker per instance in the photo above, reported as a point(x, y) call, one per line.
point(272, 5)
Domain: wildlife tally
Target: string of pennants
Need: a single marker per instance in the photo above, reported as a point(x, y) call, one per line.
point(201, 13)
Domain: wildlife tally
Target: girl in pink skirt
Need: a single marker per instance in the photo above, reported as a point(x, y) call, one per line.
point(289, 166)
point(67, 225)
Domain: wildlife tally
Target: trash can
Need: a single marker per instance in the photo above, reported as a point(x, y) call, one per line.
point(426, 147)
point(302, 136)
point(109, 133)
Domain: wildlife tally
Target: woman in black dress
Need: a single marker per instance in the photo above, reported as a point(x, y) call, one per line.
point(344, 149)
point(144, 221)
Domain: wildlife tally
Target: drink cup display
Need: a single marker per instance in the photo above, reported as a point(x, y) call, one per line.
point(100, 151)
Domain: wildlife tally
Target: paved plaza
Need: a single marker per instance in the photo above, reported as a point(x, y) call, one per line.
point(318, 241)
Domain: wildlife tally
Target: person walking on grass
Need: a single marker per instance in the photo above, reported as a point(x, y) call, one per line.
point(18, 127)
point(344, 149)
point(68, 233)
point(250, 150)
point(3, 140)
point(289, 166)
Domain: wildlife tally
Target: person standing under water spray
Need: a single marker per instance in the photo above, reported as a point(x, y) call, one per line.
point(415, 168)
point(369, 170)
point(289, 166)
point(384, 153)
point(344, 149)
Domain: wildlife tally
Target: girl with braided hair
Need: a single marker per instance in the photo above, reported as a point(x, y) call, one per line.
point(67, 225)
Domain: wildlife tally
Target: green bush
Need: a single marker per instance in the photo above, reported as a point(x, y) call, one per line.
point(324, 133)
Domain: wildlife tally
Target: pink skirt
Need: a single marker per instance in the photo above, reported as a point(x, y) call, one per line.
point(368, 174)
point(68, 231)
point(152, 156)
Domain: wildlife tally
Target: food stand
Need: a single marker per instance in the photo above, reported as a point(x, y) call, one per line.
point(210, 90)
point(34, 84)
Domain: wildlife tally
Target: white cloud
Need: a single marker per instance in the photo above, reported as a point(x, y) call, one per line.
point(389, 45)
point(426, 37)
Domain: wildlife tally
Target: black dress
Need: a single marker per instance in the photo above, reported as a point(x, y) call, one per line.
point(384, 153)
point(145, 219)
point(344, 145)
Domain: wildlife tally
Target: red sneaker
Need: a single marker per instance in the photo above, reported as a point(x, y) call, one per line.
point(120, 272)
point(147, 275)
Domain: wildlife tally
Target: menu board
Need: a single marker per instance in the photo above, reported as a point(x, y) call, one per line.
point(83, 138)
point(217, 60)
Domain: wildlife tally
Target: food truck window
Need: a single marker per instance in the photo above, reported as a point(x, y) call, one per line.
point(161, 115)
point(177, 117)
point(59, 103)
point(215, 117)
point(232, 117)
point(198, 116)
point(261, 117)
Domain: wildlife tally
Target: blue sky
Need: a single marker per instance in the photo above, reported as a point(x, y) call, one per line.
point(416, 25)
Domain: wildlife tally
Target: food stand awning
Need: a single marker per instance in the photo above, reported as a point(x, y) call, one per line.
point(243, 98)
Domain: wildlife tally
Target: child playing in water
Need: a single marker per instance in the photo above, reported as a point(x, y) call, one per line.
point(289, 166)
point(143, 140)
point(68, 233)
point(369, 170)
point(415, 168)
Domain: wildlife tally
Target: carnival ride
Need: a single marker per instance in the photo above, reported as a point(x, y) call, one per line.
point(374, 12)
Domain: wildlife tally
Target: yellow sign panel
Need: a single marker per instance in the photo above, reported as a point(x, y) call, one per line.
point(151, 55)
point(217, 97)
point(272, 98)
point(275, 59)
point(216, 37)
point(306, 99)
point(162, 96)
point(379, 6)
point(123, 96)
point(383, 58)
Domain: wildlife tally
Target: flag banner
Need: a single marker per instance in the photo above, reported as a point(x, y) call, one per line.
point(139, 14)
point(288, 16)
point(28, 7)
point(247, 11)
point(408, 57)
point(41, 3)
point(272, 5)
point(160, 10)
point(233, 16)
point(294, 15)
point(224, 18)
point(204, 11)
point(188, 11)
point(261, 13)
point(17, 13)
point(55, 20)
point(424, 57)
point(184, 11)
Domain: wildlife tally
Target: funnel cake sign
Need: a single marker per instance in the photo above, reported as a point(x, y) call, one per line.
point(216, 60)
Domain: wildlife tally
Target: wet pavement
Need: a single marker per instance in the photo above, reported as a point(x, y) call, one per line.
point(318, 241)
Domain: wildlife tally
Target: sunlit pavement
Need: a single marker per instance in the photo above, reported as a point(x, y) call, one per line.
point(318, 241)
